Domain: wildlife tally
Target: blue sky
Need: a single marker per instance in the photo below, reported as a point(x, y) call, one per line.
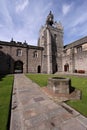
point(22, 19)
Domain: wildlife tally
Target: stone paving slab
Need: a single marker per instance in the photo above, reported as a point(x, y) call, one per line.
point(73, 124)
point(33, 110)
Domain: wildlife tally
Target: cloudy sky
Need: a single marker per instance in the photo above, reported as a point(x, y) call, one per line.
point(22, 19)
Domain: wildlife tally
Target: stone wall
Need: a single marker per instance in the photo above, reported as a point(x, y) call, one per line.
point(81, 61)
point(8, 56)
point(22, 58)
point(4, 59)
point(75, 57)
point(30, 57)
point(34, 61)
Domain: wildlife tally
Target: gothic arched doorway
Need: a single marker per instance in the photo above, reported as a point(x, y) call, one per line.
point(39, 69)
point(66, 67)
point(18, 67)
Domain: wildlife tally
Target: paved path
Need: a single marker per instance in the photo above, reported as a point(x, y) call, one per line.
point(33, 110)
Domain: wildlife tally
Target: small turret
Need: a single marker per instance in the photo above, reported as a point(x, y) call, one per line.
point(58, 25)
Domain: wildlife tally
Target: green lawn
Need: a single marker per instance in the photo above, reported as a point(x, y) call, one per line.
point(77, 82)
point(5, 97)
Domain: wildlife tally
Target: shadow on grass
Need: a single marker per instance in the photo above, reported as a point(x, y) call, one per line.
point(9, 113)
point(72, 89)
point(2, 76)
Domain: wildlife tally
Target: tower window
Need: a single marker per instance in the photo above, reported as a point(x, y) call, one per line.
point(19, 52)
point(79, 49)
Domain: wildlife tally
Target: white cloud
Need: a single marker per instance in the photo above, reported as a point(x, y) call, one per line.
point(80, 19)
point(21, 5)
point(66, 8)
point(5, 16)
point(26, 25)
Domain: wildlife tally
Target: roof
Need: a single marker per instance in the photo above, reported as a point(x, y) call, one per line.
point(13, 43)
point(76, 43)
point(20, 44)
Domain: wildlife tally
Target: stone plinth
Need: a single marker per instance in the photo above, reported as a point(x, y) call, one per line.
point(59, 85)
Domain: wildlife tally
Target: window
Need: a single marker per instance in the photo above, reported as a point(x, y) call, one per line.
point(35, 54)
point(55, 36)
point(19, 52)
point(79, 49)
point(45, 56)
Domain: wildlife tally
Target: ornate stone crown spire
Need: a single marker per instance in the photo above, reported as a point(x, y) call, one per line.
point(50, 19)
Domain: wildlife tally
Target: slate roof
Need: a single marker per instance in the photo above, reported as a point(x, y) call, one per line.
point(20, 44)
point(76, 43)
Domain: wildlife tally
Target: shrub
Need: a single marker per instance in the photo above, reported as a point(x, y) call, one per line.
point(81, 71)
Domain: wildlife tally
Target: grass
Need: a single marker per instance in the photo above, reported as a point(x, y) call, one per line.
point(80, 105)
point(40, 79)
point(5, 97)
point(77, 82)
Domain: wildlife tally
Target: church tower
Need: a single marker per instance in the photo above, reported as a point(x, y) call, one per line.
point(51, 39)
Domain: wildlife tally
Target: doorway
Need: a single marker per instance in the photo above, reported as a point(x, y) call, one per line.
point(66, 67)
point(39, 69)
point(18, 67)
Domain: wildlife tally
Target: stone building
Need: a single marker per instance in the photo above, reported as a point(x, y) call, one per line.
point(19, 57)
point(49, 56)
point(74, 57)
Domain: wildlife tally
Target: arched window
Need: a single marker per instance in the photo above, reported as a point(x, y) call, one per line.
point(79, 49)
point(35, 54)
point(19, 52)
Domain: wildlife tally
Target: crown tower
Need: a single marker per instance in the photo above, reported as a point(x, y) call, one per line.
point(51, 39)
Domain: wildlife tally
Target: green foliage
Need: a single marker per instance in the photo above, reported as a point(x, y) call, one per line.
point(77, 82)
point(5, 97)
